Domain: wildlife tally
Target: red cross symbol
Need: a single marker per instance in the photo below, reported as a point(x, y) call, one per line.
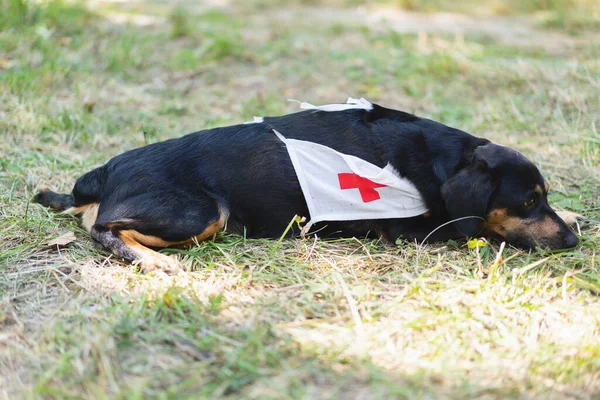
point(365, 186)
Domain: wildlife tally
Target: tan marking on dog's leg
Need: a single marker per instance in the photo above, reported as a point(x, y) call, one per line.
point(149, 260)
point(213, 228)
point(78, 210)
point(571, 218)
point(155, 241)
point(90, 214)
point(88, 219)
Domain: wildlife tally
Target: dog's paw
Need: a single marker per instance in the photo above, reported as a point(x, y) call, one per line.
point(160, 262)
point(571, 218)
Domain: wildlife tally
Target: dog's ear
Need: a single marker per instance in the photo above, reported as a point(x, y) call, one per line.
point(468, 192)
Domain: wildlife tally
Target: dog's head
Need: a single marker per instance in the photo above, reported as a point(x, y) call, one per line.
point(508, 194)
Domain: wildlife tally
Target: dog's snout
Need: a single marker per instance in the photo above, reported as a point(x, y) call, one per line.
point(570, 240)
point(545, 231)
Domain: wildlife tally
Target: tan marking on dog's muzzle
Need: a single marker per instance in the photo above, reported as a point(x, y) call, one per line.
point(545, 230)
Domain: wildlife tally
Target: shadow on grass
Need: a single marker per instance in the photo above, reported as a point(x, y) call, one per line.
point(342, 319)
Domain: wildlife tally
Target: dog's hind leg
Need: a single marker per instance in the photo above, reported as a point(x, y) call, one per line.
point(129, 229)
point(126, 246)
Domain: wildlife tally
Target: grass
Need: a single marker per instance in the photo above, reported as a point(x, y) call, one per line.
point(297, 318)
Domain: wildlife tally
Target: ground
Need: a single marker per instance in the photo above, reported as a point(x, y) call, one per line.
point(302, 318)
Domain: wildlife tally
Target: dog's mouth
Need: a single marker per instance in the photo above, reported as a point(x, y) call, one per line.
point(565, 241)
point(529, 238)
point(546, 230)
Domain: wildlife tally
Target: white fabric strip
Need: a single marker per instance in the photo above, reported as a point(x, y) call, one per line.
point(351, 104)
point(255, 120)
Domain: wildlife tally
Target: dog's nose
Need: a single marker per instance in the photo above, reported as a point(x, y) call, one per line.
point(571, 240)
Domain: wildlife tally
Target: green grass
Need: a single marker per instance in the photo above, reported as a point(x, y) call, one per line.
point(301, 318)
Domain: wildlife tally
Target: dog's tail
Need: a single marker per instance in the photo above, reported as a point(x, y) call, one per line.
point(86, 192)
point(56, 201)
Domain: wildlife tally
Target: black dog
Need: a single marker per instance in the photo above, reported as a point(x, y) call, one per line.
point(241, 178)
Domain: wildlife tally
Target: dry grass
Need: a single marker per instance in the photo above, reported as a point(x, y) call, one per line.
point(303, 318)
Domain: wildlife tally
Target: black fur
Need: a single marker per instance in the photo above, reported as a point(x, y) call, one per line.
point(56, 201)
point(175, 189)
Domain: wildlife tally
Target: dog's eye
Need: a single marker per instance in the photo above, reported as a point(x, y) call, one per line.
point(532, 201)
